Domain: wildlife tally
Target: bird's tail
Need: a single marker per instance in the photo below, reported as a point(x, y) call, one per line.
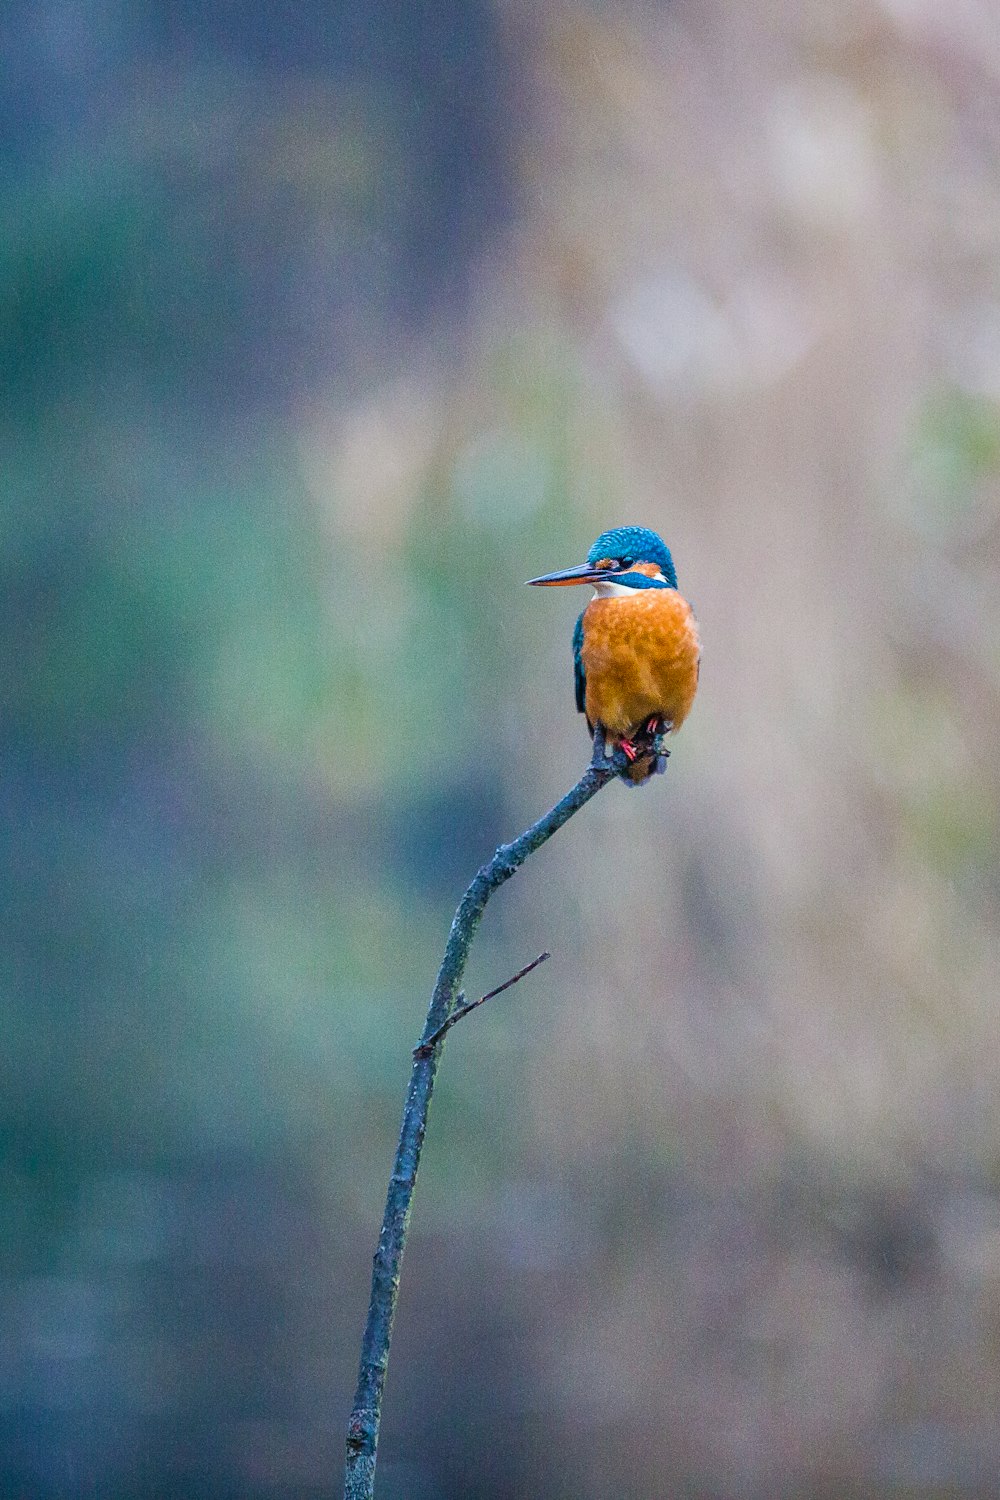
point(647, 765)
point(651, 759)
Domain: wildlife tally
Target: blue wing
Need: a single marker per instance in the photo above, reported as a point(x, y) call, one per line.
point(579, 675)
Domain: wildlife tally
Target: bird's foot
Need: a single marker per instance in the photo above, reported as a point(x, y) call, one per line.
point(629, 750)
point(654, 735)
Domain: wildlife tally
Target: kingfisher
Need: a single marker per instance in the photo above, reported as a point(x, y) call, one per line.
point(636, 651)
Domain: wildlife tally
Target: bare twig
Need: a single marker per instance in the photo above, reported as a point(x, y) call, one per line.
point(424, 1049)
point(445, 1007)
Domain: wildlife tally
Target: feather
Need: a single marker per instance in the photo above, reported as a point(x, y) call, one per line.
point(579, 675)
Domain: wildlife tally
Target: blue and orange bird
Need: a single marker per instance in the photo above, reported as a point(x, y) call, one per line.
point(635, 647)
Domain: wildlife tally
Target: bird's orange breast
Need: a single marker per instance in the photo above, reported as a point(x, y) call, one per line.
point(640, 655)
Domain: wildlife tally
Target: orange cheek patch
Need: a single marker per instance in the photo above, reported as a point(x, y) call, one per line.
point(649, 570)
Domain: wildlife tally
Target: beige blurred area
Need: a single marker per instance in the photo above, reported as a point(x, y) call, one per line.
point(752, 301)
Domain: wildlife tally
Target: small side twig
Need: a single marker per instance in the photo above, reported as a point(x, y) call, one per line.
point(462, 1009)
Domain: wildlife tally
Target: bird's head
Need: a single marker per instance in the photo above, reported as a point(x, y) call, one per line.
point(626, 558)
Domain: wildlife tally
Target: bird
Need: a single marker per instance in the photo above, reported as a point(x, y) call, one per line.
point(636, 650)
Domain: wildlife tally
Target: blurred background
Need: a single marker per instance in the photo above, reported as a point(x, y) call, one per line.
point(324, 327)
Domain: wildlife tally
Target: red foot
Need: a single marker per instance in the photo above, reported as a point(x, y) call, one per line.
point(653, 727)
point(631, 753)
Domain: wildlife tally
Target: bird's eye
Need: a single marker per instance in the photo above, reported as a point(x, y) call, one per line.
point(623, 564)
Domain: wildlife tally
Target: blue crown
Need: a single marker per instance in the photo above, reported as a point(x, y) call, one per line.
point(632, 544)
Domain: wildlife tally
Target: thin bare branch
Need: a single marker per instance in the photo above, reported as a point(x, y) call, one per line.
point(446, 1006)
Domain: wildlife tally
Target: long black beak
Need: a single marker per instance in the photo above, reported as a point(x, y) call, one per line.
point(585, 573)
